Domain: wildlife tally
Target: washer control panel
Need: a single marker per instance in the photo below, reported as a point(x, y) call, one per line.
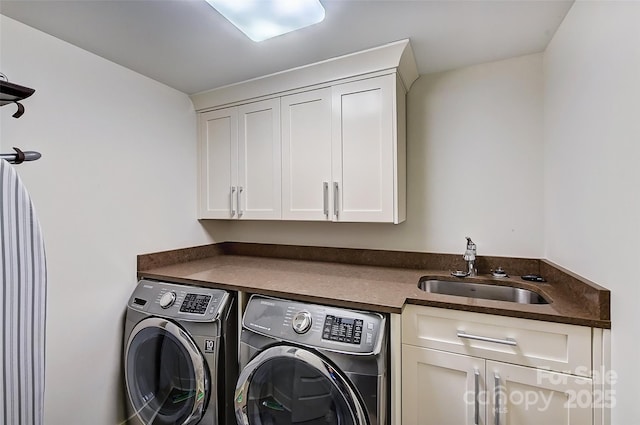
point(314, 325)
point(342, 329)
point(195, 303)
point(177, 301)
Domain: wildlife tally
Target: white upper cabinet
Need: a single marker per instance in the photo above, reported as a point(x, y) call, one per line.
point(259, 160)
point(239, 168)
point(340, 153)
point(324, 142)
point(218, 163)
point(365, 157)
point(306, 155)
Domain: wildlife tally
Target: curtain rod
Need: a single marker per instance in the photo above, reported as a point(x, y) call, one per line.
point(19, 156)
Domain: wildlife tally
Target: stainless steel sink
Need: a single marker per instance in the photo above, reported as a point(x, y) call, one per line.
point(481, 290)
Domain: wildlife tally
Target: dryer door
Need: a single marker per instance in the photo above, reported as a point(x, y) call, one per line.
point(291, 385)
point(166, 376)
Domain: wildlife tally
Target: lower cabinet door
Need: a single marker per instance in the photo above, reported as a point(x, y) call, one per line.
point(526, 396)
point(440, 388)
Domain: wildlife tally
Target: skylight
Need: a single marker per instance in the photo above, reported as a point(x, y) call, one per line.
point(263, 19)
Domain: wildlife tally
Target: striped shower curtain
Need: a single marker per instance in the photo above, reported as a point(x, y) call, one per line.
point(22, 304)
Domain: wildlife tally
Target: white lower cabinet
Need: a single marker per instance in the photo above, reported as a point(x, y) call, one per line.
point(438, 387)
point(441, 388)
point(469, 385)
point(527, 396)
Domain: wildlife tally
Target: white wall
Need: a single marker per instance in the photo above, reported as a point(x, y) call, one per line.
point(592, 155)
point(474, 168)
point(117, 178)
point(592, 184)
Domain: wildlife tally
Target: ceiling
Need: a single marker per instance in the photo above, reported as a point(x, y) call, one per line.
point(187, 45)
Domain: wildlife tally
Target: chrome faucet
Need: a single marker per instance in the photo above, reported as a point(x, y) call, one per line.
point(470, 257)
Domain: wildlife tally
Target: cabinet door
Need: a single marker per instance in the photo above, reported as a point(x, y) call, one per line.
point(440, 388)
point(364, 149)
point(218, 157)
point(306, 155)
point(527, 396)
point(259, 164)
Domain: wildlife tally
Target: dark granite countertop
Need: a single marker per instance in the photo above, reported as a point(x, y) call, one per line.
point(382, 281)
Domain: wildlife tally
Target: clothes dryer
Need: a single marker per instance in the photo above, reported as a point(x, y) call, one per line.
point(180, 355)
point(311, 364)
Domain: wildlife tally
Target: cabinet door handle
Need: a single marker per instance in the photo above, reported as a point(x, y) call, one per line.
point(325, 198)
point(506, 341)
point(335, 199)
point(477, 397)
point(496, 391)
point(233, 191)
point(240, 189)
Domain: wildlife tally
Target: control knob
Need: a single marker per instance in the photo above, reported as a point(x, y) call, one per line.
point(301, 322)
point(167, 299)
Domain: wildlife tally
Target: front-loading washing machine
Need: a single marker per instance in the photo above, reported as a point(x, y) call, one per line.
point(311, 364)
point(180, 354)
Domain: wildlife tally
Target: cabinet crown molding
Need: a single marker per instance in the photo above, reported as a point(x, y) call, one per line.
point(393, 57)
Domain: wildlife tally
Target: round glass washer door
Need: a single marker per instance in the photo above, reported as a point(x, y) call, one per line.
point(167, 378)
point(286, 385)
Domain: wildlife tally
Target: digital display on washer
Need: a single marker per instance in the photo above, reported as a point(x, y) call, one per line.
point(342, 329)
point(195, 303)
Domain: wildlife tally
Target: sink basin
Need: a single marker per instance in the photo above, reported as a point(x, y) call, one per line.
point(481, 290)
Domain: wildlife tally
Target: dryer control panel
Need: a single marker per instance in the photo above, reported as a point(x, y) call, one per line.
point(314, 325)
point(171, 300)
